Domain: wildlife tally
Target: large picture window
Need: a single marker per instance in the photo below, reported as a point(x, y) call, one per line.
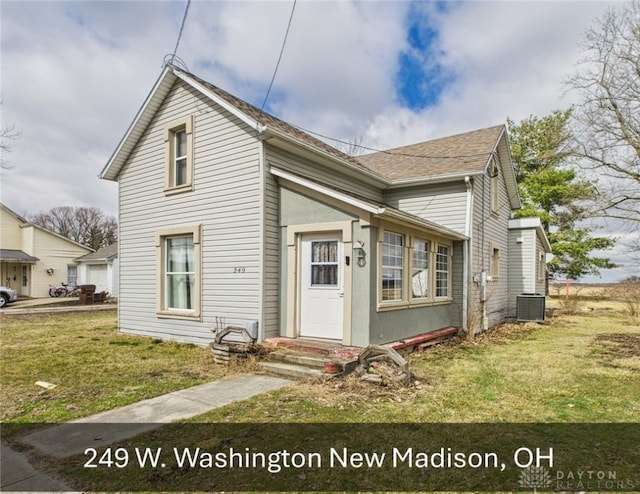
point(414, 270)
point(179, 272)
point(392, 266)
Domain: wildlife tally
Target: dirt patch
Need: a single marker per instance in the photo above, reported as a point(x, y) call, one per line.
point(618, 345)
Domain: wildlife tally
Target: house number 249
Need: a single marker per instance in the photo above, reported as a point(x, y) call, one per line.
point(238, 270)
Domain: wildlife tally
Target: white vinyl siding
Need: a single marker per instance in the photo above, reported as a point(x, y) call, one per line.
point(225, 201)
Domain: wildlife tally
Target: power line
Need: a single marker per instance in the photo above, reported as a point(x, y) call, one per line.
point(389, 151)
point(284, 42)
point(184, 19)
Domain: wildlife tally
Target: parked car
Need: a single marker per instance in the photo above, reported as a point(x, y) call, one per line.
point(7, 295)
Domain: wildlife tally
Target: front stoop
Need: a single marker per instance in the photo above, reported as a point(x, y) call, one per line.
point(303, 365)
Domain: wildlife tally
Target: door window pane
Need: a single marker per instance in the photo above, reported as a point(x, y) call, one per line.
point(324, 263)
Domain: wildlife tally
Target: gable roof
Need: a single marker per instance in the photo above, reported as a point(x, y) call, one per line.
point(102, 254)
point(27, 224)
point(267, 126)
point(443, 159)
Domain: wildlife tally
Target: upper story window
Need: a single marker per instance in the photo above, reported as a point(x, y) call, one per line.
point(178, 138)
point(495, 187)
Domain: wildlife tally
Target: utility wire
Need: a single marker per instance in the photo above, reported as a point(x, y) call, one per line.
point(184, 19)
point(284, 42)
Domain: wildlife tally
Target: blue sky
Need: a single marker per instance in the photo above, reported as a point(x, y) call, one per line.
point(387, 73)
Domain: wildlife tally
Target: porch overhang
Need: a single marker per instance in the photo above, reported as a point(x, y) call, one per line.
point(376, 210)
point(13, 255)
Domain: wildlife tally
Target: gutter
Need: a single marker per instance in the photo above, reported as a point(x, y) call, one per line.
point(466, 265)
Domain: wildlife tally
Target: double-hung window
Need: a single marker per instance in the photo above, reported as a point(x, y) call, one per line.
point(178, 138)
point(442, 271)
point(420, 268)
point(179, 272)
point(392, 267)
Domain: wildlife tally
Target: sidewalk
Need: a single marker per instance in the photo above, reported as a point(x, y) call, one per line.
point(108, 427)
point(45, 306)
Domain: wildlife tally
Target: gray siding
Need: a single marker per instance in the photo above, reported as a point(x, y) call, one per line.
point(319, 173)
point(490, 229)
point(444, 204)
point(226, 202)
point(522, 260)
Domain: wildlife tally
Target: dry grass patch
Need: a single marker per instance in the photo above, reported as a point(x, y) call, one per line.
point(94, 367)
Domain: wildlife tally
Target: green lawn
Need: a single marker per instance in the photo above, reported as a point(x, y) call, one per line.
point(573, 369)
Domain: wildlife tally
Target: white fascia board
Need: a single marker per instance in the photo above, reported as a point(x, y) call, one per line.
point(365, 206)
point(395, 184)
point(220, 101)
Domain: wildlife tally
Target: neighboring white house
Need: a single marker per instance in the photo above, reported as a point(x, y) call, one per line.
point(100, 268)
point(228, 213)
point(32, 257)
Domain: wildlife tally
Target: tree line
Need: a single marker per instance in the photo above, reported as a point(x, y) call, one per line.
point(88, 226)
point(584, 162)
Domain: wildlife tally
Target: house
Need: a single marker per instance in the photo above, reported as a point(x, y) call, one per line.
point(32, 257)
point(230, 215)
point(100, 268)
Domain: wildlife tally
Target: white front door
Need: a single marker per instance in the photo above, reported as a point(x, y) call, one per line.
point(321, 286)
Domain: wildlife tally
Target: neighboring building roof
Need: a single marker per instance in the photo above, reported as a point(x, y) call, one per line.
point(12, 255)
point(102, 254)
point(27, 224)
point(461, 154)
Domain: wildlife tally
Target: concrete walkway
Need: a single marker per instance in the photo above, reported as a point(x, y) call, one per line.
point(45, 306)
point(108, 427)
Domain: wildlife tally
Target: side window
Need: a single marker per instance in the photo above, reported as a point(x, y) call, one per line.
point(494, 262)
point(72, 275)
point(495, 188)
point(442, 272)
point(178, 138)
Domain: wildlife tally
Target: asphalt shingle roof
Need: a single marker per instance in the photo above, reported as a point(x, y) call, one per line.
point(458, 154)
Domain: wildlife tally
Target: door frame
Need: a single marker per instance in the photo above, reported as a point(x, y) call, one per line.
point(294, 244)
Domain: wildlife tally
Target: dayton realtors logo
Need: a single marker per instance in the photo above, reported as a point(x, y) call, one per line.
point(535, 478)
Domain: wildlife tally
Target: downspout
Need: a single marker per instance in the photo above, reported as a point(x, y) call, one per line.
point(466, 265)
point(263, 185)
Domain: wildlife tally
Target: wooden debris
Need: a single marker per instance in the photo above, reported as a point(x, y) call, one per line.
point(384, 366)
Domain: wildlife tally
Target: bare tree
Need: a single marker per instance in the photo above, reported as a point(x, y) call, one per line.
point(8, 133)
point(608, 115)
point(88, 226)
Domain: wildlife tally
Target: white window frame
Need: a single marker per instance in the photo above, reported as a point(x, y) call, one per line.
point(171, 132)
point(162, 306)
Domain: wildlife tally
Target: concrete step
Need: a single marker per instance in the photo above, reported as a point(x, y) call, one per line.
point(289, 370)
point(315, 361)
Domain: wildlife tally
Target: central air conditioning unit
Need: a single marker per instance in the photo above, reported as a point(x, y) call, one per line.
point(530, 307)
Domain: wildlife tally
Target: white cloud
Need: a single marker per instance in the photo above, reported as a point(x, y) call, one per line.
point(74, 74)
